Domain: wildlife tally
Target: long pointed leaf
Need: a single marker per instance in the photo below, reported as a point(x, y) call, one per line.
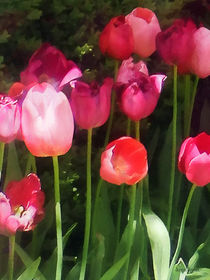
point(30, 271)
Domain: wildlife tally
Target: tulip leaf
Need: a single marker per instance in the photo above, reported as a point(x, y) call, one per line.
point(160, 244)
point(110, 274)
point(200, 274)
point(30, 271)
point(179, 271)
point(135, 271)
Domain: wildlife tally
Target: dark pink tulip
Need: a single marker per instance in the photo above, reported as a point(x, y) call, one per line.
point(138, 92)
point(116, 40)
point(194, 159)
point(47, 121)
point(21, 207)
point(145, 27)
point(175, 44)
point(91, 103)
point(9, 118)
point(201, 53)
point(124, 161)
point(48, 64)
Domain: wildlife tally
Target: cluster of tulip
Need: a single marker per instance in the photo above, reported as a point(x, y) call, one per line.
point(37, 111)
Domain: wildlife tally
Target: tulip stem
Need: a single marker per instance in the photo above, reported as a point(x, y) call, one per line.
point(181, 231)
point(11, 257)
point(58, 219)
point(113, 98)
point(2, 146)
point(173, 149)
point(191, 105)
point(131, 230)
point(88, 208)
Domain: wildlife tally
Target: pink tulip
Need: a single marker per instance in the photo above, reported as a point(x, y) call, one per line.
point(201, 53)
point(124, 161)
point(116, 40)
point(47, 121)
point(21, 207)
point(91, 103)
point(194, 159)
point(145, 27)
point(9, 118)
point(138, 92)
point(48, 64)
point(175, 44)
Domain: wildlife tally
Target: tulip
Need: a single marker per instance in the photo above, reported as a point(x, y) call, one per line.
point(48, 64)
point(124, 161)
point(21, 207)
point(201, 53)
point(145, 27)
point(194, 159)
point(175, 44)
point(137, 91)
point(91, 103)
point(116, 40)
point(47, 121)
point(10, 118)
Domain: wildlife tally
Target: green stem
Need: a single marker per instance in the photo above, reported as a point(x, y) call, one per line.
point(130, 229)
point(31, 164)
point(110, 121)
point(181, 231)
point(137, 130)
point(11, 257)
point(173, 149)
point(88, 208)
point(2, 146)
point(119, 211)
point(186, 103)
point(191, 105)
point(58, 219)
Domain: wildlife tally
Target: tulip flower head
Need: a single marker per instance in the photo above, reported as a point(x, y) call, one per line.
point(116, 40)
point(48, 64)
point(194, 159)
point(145, 27)
point(91, 103)
point(21, 207)
point(124, 161)
point(175, 44)
point(10, 118)
point(47, 121)
point(138, 92)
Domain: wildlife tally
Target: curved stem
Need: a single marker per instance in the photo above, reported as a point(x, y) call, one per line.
point(11, 257)
point(88, 208)
point(181, 231)
point(58, 219)
point(130, 229)
point(191, 105)
point(2, 146)
point(173, 149)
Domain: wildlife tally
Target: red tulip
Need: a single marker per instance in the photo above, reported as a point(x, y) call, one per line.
point(138, 92)
point(175, 44)
point(194, 159)
point(21, 207)
point(47, 121)
point(124, 161)
point(10, 118)
point(48, 64)
point(91, 103)
point(201, 53)
point(145, 27)
point(116, 40)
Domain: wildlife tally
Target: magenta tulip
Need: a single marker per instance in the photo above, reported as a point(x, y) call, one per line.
point(145, 27)
point(124, 161)
point(194, 159)
point(91, 103)
point(47, 121)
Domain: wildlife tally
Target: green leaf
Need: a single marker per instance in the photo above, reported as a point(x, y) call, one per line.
point(160, 244)
point(179, 271)
point(30, 271)
point(195, 257)
point(135, 271)
point(109, 274)
point(200, 274)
